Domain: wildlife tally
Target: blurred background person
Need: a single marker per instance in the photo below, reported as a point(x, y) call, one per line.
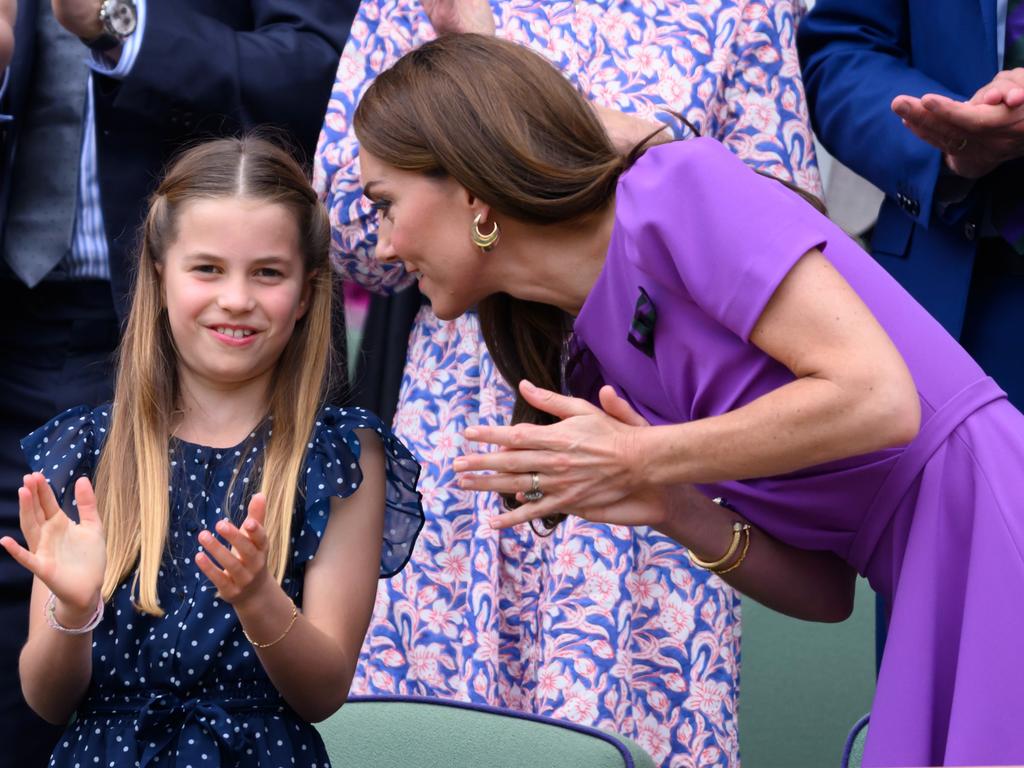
point(925, 103)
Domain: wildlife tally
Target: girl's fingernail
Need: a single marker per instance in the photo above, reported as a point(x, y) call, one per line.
point(470, 433)
point(528, 385)
point(250, 525)
point(459, 465)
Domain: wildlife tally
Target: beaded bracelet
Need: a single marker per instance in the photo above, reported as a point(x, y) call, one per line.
point(50, 611)
point(254, 644)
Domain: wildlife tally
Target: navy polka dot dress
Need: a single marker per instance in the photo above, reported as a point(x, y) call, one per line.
point(187, 689)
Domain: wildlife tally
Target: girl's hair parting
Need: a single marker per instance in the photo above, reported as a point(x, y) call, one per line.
point(133, 475)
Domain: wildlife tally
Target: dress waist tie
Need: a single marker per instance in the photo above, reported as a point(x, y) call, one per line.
point(911, 462)
point(165, 716)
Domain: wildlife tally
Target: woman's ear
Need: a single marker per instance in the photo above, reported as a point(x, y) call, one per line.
point(476, 205)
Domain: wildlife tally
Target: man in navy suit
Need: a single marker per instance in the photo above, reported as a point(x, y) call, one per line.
point(923, 98)
point(98, 96)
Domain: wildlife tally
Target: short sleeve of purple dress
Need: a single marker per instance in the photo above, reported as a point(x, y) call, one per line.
point(937, 527)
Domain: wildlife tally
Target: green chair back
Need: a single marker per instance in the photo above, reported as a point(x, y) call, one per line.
point(853, 752)
point(407, 731)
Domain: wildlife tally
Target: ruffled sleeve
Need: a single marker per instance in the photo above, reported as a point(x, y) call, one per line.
point(332, 469)
point(68, 447)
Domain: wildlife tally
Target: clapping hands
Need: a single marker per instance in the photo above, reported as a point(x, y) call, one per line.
point(975, 136)
point(243, 568)
point(69, 558)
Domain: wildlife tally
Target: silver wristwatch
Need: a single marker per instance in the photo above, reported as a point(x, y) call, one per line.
point(119, 19)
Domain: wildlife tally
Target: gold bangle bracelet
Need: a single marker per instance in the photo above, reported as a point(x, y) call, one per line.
point(254, 644)
point(739, 530)
point(743, 552)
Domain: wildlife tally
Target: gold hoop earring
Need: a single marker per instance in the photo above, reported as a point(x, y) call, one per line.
point(482, 241)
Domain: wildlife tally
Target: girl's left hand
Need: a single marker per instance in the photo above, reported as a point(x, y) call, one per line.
point(588, 460)
point(243, 568)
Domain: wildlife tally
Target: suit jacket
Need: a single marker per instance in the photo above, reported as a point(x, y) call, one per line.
point(204, 69)
point(857, 56)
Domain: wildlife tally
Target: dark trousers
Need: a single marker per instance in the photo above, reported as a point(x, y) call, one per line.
point(56, 347)
point(993, 331)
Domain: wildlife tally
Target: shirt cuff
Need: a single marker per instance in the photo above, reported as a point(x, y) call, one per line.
point(129, 52)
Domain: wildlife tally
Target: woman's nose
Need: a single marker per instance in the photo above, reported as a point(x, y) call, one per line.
point(385, 251)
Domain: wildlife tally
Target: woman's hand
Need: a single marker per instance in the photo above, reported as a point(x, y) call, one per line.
point(243, 568)
point(458, 16)
point(69, 558)
point(586, 464)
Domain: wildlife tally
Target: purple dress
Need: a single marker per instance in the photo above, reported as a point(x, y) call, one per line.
point(937, 527)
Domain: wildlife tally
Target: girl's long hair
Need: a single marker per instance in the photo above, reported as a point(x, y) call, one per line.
point(133, 474)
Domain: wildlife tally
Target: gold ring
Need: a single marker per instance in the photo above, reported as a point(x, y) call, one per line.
point(535, 493)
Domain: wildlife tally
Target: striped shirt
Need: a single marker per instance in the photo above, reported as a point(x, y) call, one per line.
point(90, 253)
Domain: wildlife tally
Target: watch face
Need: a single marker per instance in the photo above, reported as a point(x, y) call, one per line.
point(119, 17)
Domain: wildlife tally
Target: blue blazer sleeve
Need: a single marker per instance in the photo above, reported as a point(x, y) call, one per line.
point(265, 61)
point(856, 58)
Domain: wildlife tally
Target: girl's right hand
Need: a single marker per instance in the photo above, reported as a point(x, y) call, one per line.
point(69, 558)
point(460, 16)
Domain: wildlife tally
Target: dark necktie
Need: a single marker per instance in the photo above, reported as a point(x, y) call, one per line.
point(44, 182)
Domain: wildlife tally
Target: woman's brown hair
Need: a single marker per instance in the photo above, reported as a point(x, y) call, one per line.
point(518, 136)
point(133, 473)
point(505, 124)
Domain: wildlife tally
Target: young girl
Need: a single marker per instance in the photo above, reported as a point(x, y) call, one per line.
point(199, 627)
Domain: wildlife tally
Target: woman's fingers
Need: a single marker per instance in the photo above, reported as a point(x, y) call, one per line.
point(558, 405)
point(502, 482)
point(620, 409)
point(509, 462)
point(85, 500)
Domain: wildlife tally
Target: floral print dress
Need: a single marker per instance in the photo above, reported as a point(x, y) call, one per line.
point(600, 625)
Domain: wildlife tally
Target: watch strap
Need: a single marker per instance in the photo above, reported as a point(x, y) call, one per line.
point(104, 42)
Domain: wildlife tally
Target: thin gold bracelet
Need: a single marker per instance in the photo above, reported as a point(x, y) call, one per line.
point(739, 530)
point(743, 552)
point(254, 644)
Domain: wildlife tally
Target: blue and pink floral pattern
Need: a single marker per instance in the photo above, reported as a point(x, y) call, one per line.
point(598, 624)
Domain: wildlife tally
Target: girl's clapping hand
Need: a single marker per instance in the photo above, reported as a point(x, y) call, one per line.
point(243, 568)
point(69, 558)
